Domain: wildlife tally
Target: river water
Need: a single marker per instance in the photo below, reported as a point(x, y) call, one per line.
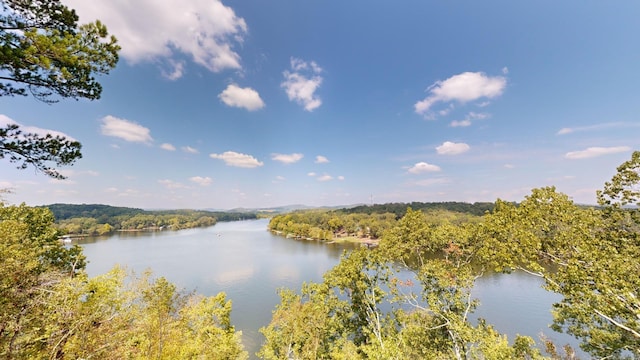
point(249, 264)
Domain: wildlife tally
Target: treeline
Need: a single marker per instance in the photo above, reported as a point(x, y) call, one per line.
point(399, 209)
point(340, 224)
point(95, 219)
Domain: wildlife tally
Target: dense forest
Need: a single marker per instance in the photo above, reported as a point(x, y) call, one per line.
point(370, 221)
point(408, 298)
point(94, 219)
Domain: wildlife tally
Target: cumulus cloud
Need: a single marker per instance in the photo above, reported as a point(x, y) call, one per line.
point(232, 158)
point(168, 147)
point(341, 178)
point(236, 96)
point(321, 160)
point(422, 167)
point(451, 148)
point(325, 177)
point(152, 31)
point(287, 158)
point(312, 174)
point(5, 121)
point(125, 129)
point(202, 181)
point(190, 150)
point(301, 83)
point(461, 88)
point(596, 151)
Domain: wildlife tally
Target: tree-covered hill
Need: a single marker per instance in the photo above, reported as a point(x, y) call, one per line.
point(399, 209)
point(97, 219)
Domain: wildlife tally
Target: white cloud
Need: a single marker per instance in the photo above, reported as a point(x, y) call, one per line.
point(236, 96)
point(176, 72)
point(168, 147)
point(341, 178)
point(596, 127)
point(5, 121)
point(468, 119)
point(312, 174)
point(301, 87)
point(202, 181)
point(422, 167)
point(462, 88)
point(460, 123)
point(509, 166)
point(232, 158)
point(451, 148)
point(321, 160)
point(170, 184)
point(596, 151)
point(150, 30)
point(125, 129)
point(190, 150)
point(287, 158)
point(325, 177)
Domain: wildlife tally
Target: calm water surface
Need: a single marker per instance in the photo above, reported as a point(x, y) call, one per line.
point(249, 264)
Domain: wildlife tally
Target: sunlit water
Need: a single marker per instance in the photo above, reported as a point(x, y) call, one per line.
point(249, 264)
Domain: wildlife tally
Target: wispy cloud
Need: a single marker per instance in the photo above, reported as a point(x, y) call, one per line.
point(423, 167)
point(190, 150)
point(430, 182)
point(287, 158)
point(168, 147)
point(471, 116)
point(205, 31)
point(451, 148)
point(171, 185)
point(236, 96)
point(5, 120)
point(302, 82)
point(202, 181)
point(461, 88)
point(232, 158)
point(596, 151)
point(125, 129)
point(596, 127)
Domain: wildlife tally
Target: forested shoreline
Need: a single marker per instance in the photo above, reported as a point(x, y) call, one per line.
point(97, 219)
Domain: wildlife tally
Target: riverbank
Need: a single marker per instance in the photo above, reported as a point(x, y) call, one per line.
point(339, 238)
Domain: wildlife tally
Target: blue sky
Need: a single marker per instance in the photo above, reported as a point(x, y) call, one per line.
point(259, 104)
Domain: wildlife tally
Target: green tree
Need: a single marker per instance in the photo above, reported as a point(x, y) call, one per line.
point(589, 256)
point(32, 262)
point(45, 53)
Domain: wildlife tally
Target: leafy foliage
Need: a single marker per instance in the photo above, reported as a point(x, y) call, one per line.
point(45, 52)
point(31, 149)
point(49, 308)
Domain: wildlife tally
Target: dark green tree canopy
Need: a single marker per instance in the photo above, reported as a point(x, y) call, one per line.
point(37, 150)
point(44, 52)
